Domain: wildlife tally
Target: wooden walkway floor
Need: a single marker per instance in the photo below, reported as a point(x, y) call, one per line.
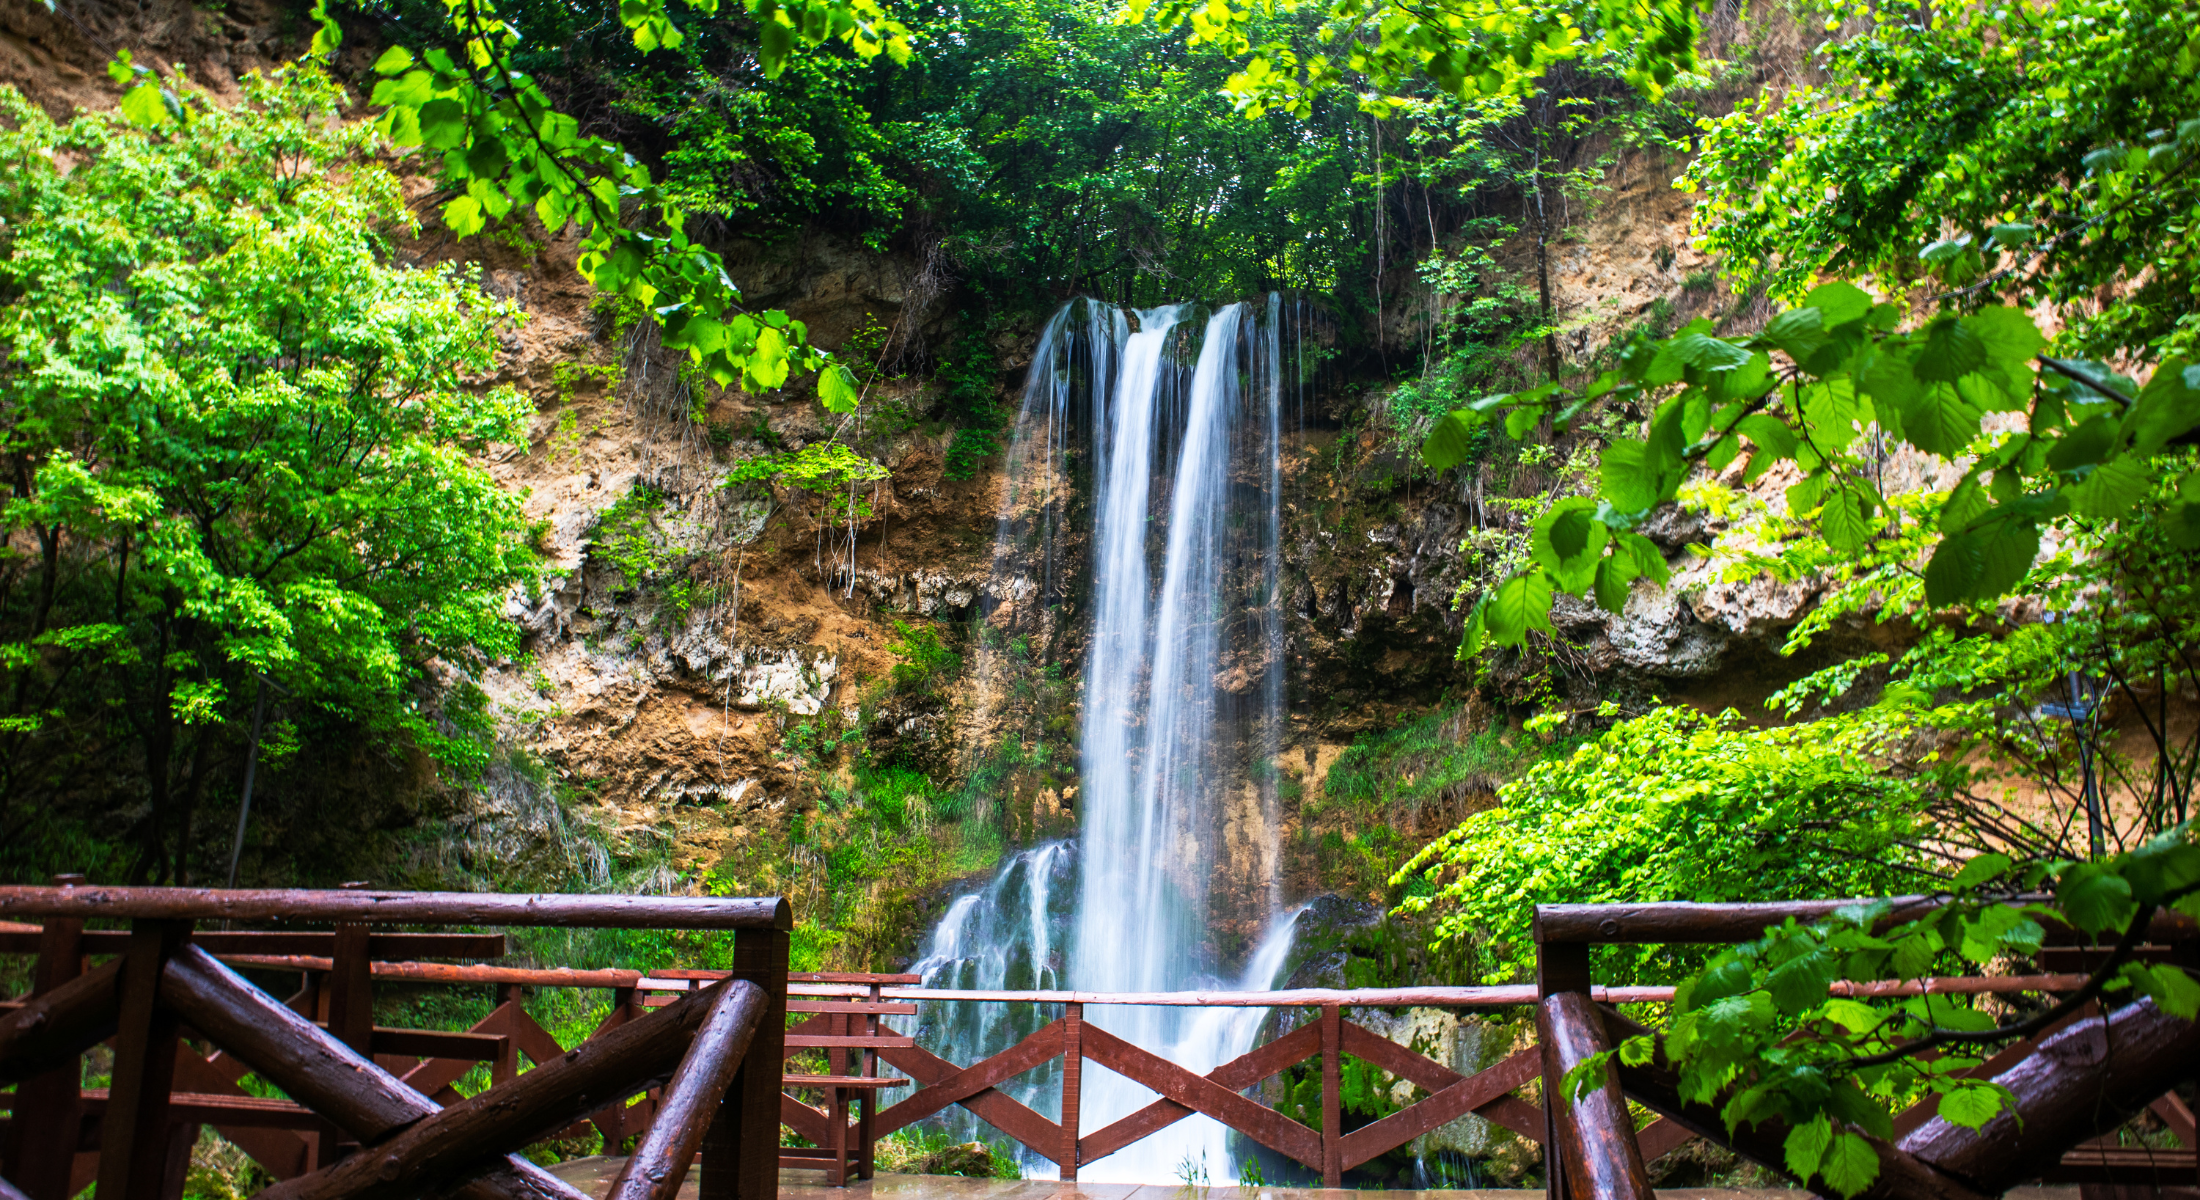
point(593, 1175)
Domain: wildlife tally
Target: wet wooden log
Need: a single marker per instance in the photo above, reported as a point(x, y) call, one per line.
point(51, 1029)
point(8, 1191)
point(25, 939)
point(454, 973)
point(660, 1163)
point(138, 1149)
point(399, 908)
point(2084, 1081)
point(1594, 1132)
point(1655, 1085)
point(322, 1073)
point(40, 1144)
point(469, 1139)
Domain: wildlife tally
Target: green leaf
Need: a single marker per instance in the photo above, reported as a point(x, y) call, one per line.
point(2089, 443)
point(1798, 332)
point(1980, 869)
point(1971, 1105)
point(463, 216)
point(1627, 479)
point(2172, 988)
point(1649, 559)
point(1770, 433)
point(1851, 1104)
point(1616, 574)
point(1851, 1165)
point(1806, 1146)
point(2008, 335)
point(1941, 421)
point(1949, 350)
point(1847, 520)
point(1709, 353)
point(1520, 420)
point(393, 60)
point(142, 105)
point(837, 389)
point(1981, 563)
point(1800, 983)
point(2094, 898)
point(2108, 491)
point(1518, 605)
point(1839, 303)
point(1449, 443)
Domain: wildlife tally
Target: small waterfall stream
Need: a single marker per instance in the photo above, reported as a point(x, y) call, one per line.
point(1180, 425)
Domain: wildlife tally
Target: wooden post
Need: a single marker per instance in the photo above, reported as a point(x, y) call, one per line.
point(350, 989)
point(42, 1139)
point(741, 1151)
point(1591, 1152)
point(133, 1133)
point(1073, 1078)
point(660, 1163)
point(1332, 1096)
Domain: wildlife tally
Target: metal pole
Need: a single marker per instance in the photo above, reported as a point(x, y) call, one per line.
point(251, 766)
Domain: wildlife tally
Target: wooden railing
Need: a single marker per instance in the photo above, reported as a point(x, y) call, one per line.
point(370, 1112)
point(2074, 1083)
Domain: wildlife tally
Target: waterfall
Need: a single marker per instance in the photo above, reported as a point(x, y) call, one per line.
point(1183, 696)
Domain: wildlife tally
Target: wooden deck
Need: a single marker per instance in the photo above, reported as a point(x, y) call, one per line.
point(591, 1175)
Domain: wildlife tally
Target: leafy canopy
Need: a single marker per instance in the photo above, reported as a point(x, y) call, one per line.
point(241, 438)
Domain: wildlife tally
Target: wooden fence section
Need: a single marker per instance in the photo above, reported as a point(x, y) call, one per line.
point(371, 1112)
point(2074, 1083)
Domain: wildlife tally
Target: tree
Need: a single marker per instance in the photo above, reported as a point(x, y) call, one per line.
point(239, 444)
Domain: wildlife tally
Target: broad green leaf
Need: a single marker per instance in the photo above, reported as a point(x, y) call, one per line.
point(1941, 421)
point(1981, 563)
point(1518, 605)
point(2172, 988)
point(463, 216)
point(1980, 869)
point(2166, 408)
point(1627, 479)
point(837, 389)
point(1797, 331)
point(142, 105)
point(1709, 353)
point(2008, 335)
point(1851, 1104)
point(2108, 491)
point(1649, 559)
point(1852, 1015)
point(1616, 574)
point(1847, 519)
point(1800, 983)
point(1769, 432)
point(393, 60)
point(2094, 898)
point(1948, 350)
point(1806, 1146)
point(1520, 421)
point(2089, 443)
point(1970, 1106)
point(1839, 303)
point(1452, 439)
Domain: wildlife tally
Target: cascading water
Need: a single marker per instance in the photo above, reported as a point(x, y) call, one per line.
point(1183, 690)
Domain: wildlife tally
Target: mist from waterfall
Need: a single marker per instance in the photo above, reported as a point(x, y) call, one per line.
point(1179, 423)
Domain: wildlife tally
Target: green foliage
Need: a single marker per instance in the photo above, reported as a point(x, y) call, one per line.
point(625, 533)
point(1761, 1032)
point(1467, 48)
point(1673, 805)
point(818, 468)
point(926, 661)
point(241, 442)
point(501, 146)
point(2031, 152)
point(1844, 372)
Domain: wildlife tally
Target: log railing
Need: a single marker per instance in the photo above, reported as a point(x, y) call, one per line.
point(2073, 1084)
point(370, 1112)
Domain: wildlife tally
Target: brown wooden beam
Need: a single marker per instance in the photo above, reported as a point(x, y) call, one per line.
point(134, 1139)
point(741, 1148)
point(51, 1029)
point(40, 1146)
point(659, 1165)
point(2084, 1081)
point(470, 1138)
point(24, 939)
point(1594, 1133)
point(400, 908)
point(1655, 1085)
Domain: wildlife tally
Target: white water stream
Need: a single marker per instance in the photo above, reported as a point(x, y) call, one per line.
point(1183, 690)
